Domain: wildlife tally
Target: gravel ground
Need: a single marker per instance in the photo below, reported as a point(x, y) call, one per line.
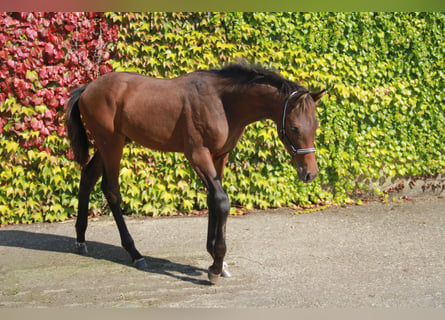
point(374, 255)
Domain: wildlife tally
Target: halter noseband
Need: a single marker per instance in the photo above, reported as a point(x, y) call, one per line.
point(294, 150)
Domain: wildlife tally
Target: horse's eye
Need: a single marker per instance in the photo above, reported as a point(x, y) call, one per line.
point(295, 130)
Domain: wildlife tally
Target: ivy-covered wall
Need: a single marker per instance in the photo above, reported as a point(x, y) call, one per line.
point(42, 56)
point(383, 115)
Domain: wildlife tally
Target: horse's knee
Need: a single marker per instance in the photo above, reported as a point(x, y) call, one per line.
point(221, 203)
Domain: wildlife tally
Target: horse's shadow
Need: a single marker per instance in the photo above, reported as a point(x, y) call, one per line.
point(99, 250)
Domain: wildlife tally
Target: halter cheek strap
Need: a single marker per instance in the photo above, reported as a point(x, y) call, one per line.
point(294, 150)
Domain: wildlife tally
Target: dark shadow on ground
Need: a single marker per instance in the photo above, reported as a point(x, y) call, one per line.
point(99, 250)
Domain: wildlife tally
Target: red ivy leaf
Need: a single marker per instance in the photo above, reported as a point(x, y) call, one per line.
point(31, 33)
point(44, 131)
point(61, 131)
point(3, 74)
point(36, 125)
point(69, 27)
point(37, 100)
point(49, 49)
point(53, 102)
point(59, 54)
point(11, 63)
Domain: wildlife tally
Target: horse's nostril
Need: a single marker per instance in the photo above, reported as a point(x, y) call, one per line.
point(309, 176)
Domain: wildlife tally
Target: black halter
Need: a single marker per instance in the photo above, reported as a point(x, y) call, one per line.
point(294, 150)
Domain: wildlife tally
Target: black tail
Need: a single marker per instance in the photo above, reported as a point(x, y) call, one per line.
point(75, 129)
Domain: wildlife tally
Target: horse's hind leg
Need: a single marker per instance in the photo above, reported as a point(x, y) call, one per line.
point(90, 174)
point(110, 188)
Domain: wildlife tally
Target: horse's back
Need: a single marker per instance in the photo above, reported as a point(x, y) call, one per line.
point(157, 113)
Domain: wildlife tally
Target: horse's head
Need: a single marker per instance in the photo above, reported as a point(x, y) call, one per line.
point(297, 131)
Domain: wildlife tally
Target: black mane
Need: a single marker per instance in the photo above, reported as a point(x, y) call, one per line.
point(243, 74)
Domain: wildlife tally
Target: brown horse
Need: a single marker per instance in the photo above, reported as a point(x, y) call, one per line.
point(203, 115)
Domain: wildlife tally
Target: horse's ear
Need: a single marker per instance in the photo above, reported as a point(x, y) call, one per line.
point(296, 97)
point(316, 96)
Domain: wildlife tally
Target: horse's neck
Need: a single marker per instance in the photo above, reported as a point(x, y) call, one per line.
point(256, 104)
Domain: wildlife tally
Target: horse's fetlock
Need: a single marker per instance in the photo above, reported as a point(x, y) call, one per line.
point(211, 248)
point(220, 250)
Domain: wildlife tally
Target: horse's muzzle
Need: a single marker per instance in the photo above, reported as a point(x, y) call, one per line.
point(307, 173)
point(306, 176)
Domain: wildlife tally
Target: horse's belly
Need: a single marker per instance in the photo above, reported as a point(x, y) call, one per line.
point(155, 134)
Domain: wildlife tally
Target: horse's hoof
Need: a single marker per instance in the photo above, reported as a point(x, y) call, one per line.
point(213, 278)
point(80, 247)
point(140, 264)
point(225, 271)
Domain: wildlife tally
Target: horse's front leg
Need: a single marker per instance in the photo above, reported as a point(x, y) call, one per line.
point(219, 207)
point(210, 172)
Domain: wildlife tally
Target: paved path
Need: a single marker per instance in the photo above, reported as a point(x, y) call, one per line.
point(358, 256)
